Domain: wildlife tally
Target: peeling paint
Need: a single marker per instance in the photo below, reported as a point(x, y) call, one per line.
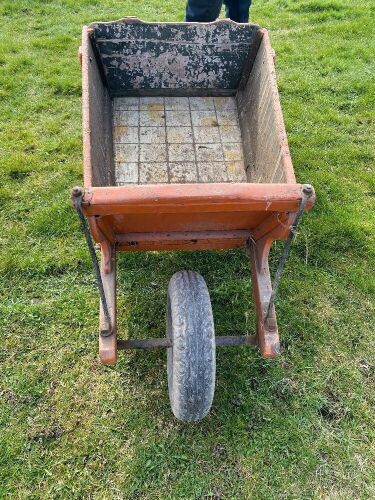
point(137, 55)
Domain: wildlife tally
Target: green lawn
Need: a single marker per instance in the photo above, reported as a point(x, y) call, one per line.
point(298, 427)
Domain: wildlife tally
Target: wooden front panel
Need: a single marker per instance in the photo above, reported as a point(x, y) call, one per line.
point(164, 222)
point(161, 217)
point(192, 198)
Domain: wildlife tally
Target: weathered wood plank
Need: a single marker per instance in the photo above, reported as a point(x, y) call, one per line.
point(97, 121)
point(139, 73)
point(138, 55)
point(181, 92)
point(199, 33)
point(122, 47)
point(266, 151)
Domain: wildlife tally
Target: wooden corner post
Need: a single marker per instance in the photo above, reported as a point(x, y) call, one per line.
point(267, 331)
point(108, 343)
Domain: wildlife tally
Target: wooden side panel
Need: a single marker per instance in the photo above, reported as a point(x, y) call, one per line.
point(139, 56)
point(266, 150)
point(97, 121)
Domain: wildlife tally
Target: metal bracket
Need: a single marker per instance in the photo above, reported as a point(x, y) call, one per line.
point(77, 196)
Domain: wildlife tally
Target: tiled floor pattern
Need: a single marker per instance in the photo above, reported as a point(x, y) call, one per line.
point(177, 140)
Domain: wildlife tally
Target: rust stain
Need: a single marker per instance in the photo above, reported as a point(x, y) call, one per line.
point(155, 107)
point(154, 111)
point(177, 137)
point(118, 131)
point(231, 167)
point(231, 156)
point(209, 122)
point(220, 101)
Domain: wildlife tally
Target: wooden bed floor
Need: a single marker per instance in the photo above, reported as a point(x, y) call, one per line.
point(177, 140)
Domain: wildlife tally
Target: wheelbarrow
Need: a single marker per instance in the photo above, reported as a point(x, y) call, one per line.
point(185, 148)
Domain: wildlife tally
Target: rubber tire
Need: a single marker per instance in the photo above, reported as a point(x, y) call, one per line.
point(191, 361)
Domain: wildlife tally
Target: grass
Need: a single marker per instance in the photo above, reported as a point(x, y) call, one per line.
point(301, 426)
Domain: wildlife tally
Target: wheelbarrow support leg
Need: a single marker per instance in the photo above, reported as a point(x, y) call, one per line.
point(267, 332)
point(108, 344)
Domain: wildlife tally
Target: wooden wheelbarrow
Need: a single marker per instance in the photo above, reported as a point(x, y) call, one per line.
point(185, 149)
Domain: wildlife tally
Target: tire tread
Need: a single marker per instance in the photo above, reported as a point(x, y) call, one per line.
point(191, 360)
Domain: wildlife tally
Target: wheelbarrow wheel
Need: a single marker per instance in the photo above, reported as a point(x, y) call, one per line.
point(191, 361)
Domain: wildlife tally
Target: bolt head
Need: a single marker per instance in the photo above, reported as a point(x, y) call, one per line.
point(76, 191)
point(307, 189)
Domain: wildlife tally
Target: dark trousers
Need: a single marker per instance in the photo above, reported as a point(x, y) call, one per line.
point(203, 11)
